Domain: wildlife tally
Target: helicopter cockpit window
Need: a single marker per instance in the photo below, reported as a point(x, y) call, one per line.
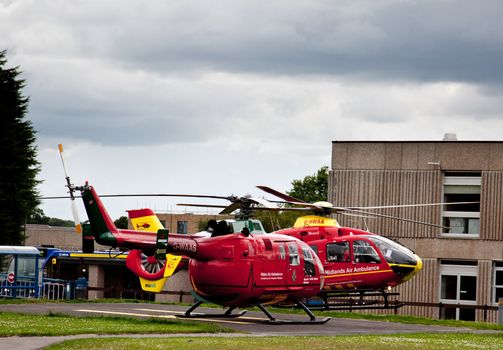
point(309, 269)
point(254, 226)
point(282, 252)
point(394, 252)
point(338, 251)
point(363, 252)
point(257, 228)
point(294, 254)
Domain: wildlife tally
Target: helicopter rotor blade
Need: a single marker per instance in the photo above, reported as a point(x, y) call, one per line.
point(279, 194)
point(71, 189)
point(143, 195)
point(230, 208)
point(364, 213)
point(264, 202)
point(201, 205)
point(411, 205)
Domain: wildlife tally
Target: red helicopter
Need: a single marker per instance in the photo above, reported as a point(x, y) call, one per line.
point(232, 269)
point(356, 262)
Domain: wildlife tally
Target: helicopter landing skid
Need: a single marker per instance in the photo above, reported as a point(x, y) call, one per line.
point(364, 299)
point(313, 319)
point(227, 314)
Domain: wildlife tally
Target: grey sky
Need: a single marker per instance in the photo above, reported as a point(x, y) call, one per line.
point(218, 96)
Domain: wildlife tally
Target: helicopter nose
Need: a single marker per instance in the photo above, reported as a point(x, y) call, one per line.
point(419, 265)
point(406, 271)
point(417, 268)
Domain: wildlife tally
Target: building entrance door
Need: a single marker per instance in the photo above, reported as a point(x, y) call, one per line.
point(458, 285)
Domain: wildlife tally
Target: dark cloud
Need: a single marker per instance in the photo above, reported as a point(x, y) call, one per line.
point(163, 72)
point(423, 40)
point(410, 40)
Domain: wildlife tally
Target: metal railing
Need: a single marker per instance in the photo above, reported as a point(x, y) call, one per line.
point(442, 306)
point(54, 290)
point(19, 289)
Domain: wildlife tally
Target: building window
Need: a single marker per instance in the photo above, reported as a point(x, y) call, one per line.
point(458, 285)
point(498, 282)
point(462, 219)
point(163, 223)
point(182, 227)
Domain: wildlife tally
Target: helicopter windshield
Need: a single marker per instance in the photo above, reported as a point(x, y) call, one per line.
point(254, 226)
point(309, 269)
point(394, 252)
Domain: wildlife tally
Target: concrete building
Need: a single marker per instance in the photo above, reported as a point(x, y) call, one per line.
point(64, 238)
point(463, 265)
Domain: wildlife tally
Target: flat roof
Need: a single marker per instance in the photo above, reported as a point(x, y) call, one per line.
point(418, 141)
point(20, 250)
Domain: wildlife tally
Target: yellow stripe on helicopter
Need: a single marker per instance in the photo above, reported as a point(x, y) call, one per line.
point(315, 220)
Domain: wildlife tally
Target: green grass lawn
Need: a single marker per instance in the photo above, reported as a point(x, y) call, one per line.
point(279, 310)
point(394, 318)
point(368, 342)
point(415, 320)
point(14, 324)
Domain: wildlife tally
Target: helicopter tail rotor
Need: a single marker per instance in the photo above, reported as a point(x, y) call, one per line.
point(71, 189)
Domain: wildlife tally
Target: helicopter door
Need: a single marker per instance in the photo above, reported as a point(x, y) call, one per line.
point(294, 273)
point(338, 265)
point(271, 270)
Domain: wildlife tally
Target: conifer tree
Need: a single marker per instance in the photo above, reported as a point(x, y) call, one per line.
point(18, 164)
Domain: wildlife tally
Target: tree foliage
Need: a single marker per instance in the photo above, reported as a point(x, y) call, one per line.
point(312, 188)
point(122, 222)
point(38, 217)
point(19, 166)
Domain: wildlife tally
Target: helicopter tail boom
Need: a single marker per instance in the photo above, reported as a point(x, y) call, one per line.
point(104, 230)
point(102, 225)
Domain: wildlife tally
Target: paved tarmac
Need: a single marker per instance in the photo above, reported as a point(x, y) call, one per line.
point(251, 324)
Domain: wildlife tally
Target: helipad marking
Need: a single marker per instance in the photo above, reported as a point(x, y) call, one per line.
point(124, 313)
point(181, 312)
point(156, 316)
point(162, 311)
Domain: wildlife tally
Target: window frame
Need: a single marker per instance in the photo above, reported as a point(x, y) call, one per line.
point(470, 182)
point(497, 267)
point(184, 224)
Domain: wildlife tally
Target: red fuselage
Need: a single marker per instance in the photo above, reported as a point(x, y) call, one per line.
point(356, 259)
point(239, 270)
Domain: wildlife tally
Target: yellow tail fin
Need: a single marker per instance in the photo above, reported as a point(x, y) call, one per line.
point(146, 220)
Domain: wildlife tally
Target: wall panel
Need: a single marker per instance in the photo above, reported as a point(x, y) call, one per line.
point(491, 206)
point(350, 188)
